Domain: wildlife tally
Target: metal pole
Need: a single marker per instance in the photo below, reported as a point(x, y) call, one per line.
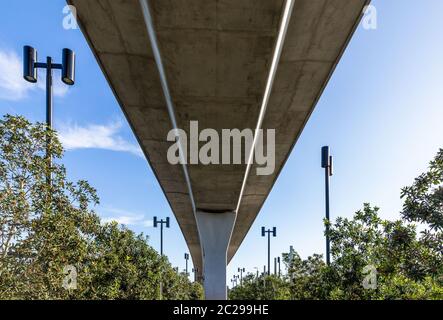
point(328, 259)
point(186, 267)
point(279, 267)
point(275, 266)
point(161, 254)
point(48, 115)
point(241, 277)
point(269, 252)
point(161, 237)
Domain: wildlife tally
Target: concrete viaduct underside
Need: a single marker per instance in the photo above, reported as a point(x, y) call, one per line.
point(216, 57)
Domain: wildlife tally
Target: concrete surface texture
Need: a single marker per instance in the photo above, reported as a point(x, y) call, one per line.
point(217, 55)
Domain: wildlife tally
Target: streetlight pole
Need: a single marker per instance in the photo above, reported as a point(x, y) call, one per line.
point(326, 163)
point(279, 266)
point(67, 67)
point(275, 266)
point(156, 223)
point(257, 272)
point(161, 223)
point(186, 259)
point(195, 270)
point(274, 234)
point(241, 270)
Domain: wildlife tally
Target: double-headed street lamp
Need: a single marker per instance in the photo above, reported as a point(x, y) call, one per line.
point(235, 278)
point(241, 270)
point(186, 259)
point(257, 272)
point(67, 67)
point(161, 222)
point(156, 223)
point(195, 271)
point(274, 234)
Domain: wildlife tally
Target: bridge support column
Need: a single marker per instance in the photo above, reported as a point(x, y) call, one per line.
point(215, 231)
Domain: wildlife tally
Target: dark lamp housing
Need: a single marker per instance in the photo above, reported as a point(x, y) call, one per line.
point(68, 67)
point(29, 60)
point(325, 157)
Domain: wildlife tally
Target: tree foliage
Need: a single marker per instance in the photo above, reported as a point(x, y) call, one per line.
point(50, 229)
point(374, 258)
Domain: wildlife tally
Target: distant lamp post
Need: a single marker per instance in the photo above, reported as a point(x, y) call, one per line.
point(279, 267)
point(186, 259)
point(241, 270)
point(236, 277)
point(67, 67)
point(326, 163)
point(195, 271)
point(161, 223)
point(257, 272)
point(156, 223)
point(275, 266)
point(274, 234)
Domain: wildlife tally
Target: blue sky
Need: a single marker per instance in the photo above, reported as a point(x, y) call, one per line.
point(382, 115)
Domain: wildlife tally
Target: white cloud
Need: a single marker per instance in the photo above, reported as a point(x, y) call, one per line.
point(96, 137)
point(14, 87)
point(126, 218)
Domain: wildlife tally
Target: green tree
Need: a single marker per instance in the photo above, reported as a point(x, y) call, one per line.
point(407, 264)
point(424, 198)
point(48, 229)
point(307, 279)
point(263, 287)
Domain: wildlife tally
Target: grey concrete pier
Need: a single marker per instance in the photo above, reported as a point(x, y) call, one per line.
point(215, 233)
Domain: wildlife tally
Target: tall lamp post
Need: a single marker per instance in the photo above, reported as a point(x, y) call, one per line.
point(236, 277)
point(156, 223)
point(195, 271)
point(279, 266)
point(326, 163)
point(67, 67)
point(275, 266)
point(274, 234)
point(241, 270)
point(161, 223)
point(186, 259)
point(257, 272)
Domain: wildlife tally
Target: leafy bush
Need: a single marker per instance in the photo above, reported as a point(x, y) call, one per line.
point(47, 226)
point(404, 263)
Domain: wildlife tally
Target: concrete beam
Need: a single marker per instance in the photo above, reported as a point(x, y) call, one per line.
point(215, 233)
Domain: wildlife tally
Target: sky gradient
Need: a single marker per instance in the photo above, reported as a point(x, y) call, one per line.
point(381, 114)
